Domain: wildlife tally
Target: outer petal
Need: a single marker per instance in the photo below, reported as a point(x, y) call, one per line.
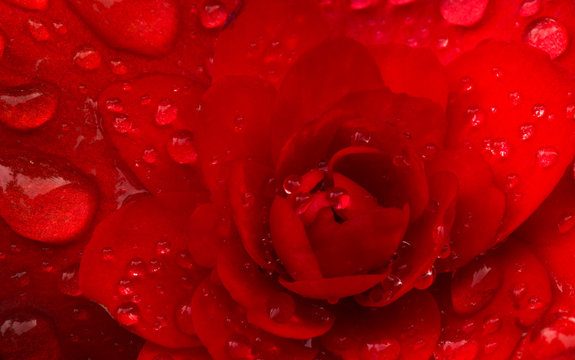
point(267, 37)
point(269, 306)
point(318, 80)
point(492, 299)
point(234, 124)
point(408, 329)
point(524, 127)
point(415, 72)
point(223, 329)
point(138, 267)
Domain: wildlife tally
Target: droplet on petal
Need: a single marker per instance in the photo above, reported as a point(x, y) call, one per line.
point(128, 314)
point(167, 113)
point(213, 14)
point(88, 59)
point(547, 157)
point(566, 223)
point(547, 34)
point(529, 8)
point(463, 12)
point(181, 148)
point(69, 282)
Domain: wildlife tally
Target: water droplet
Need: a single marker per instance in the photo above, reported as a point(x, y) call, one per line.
point(239, 123)
point(512, 180)
point(529, 8)
point(21, 278)
point(526, 131)
point(163, 247)
point(128, 314)
point(518, 291)
point(497, 147)
point(213, 14)
point(125, 287)
point(29, 106)
point(457, 350)
point(137, 268)
point(475, 116)
point(425, 280)
point(114, 105)
point(338, 198)
point(534, 303)
point(118, 67)
point(566, 223)
point(166, 113)
point(538, 111)
point(291, 184)
point(238, 347)
point(491, 324)
point(69, 282)
point(360, 137)
point(474, 286)
point(88, 59)
point(387, 349)
point(546, 157)
point(462, 12)
point(552, 337)
point(185, 260)
point(181, 148)
point(107, 254)
point(362, 4)
point(442, 43)
point(497, 72)
point(548, 35)
point(280, 307)
point(247, 199)
point(38, 30)
point(490, 347)
point(150, 155)
point(466, 84)
point(390, 286)
point(514, 98)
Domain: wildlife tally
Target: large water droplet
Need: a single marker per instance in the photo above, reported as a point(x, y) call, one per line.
point(167, 113)
point(280, 307)
point(547, 34)
point(529, 8)
point(475, 285)
point(28, 107)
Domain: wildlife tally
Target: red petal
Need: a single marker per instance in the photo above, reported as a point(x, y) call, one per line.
point(528, 136)
point(477, 218)
point(267, 38)
point(211, 228)
point(268, 305)
point(234, 124)
point(138, 267)
point(151, 351)
point(407, 329)
point(318, 80)
point(151, 126)
point(423, 243)
point(415, 72)
point(291, 243)
point(506, 290)
point(223, 329)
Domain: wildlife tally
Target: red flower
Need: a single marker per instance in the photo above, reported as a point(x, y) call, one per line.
point(354, 179)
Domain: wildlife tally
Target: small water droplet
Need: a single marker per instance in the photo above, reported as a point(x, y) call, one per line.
point(238, 347)
point(291, 184)
point(466, 84)
point(150, 155)
point(88, 59)
point(69, 282)
point(518, 291)
point(390, 286)
point(280, 307)
point(128, 314)
point(514, 98)
point(181, 148)
point(425, 280)
point(539, 111)
point(338, 198)
point(462, 12)
point(125, 287)
point(213, 14)
point(137, 268)
point(534, 303)
point(497, 147)
point(475, 116)
point(388, 349)
point(547, 157)
point(163, 247)
point(547, 34)
point(529, 8)
point(118, 67)
point(107, 254)
point(566, 223)
point(38, 30)
point(360, 137)
point(239, 123)
point(491, 324)
point(526, 131)
point(166, 113)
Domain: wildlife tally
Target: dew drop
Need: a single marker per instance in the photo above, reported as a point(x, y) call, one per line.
point(539, 111)
point(362, 4)
point(69, 282)
point(462, 12)
point(137, 268)
point(118, 67)
point(475, 116)
point(163, 247)
point(466, 84)
point(491, 324)
point(128, 314)
point(499, 148)
point(474, 286)
point(114, 105)
point(514, 98)
point(213, 14)
point(526, 131)
point(566, 223)
point(28, 107)
point(387, 349)
point(150, 155)
point(534, 303)
point(166, 113)
point(338, 198)
point(547, 34)
point(291, 184)
point(547, 157)
point(360, 137)
point(181, 148)
point(518, 291)
point(390, 286)
point(38, 30)
point(88, 59)
point(107, 254)
point(529, 8)
point(238, 347)
point(425, 280)
point(280, 307)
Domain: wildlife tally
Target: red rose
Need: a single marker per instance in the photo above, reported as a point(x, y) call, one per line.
point(287, 179)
